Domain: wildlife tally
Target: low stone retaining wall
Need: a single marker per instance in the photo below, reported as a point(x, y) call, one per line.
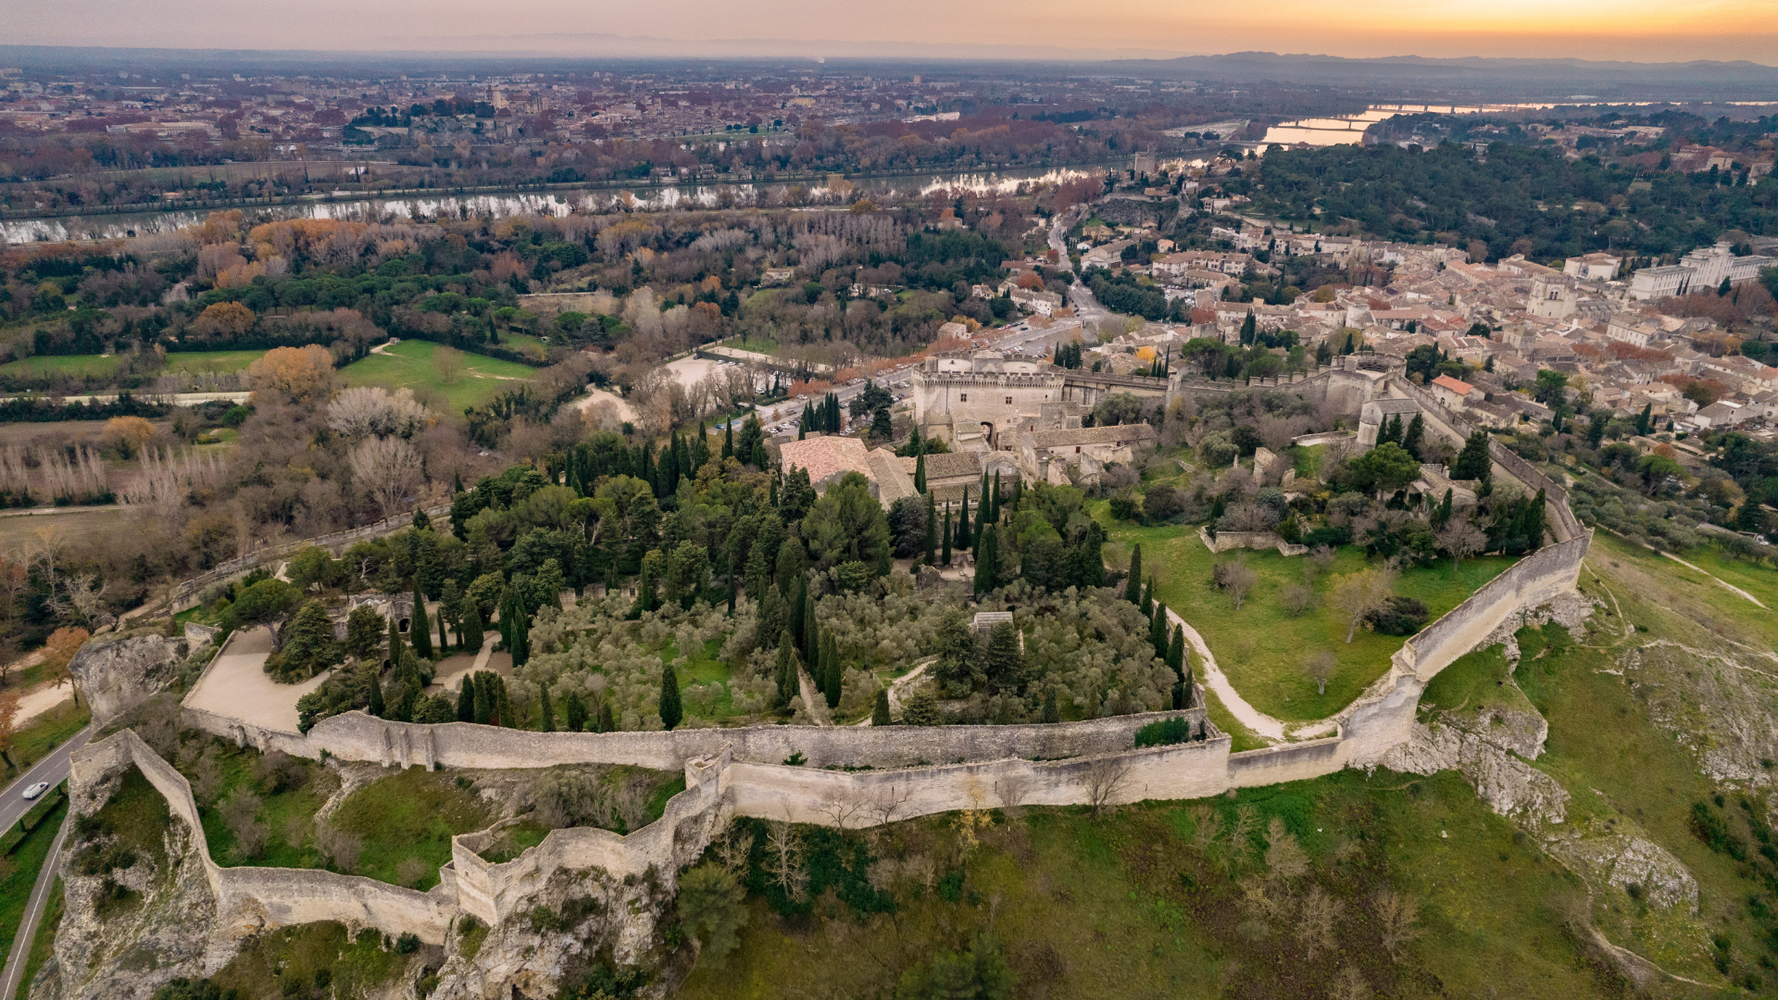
point(1224, 541)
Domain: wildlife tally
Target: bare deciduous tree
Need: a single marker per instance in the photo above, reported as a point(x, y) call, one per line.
point(1350, 985)
point(340, 846)
point(240, 812)
point(366, 410)
point(1396, 913)
point(1298, 598)
point(888, 800)
point(733, 850)
point(840, 806)
point(1284, 856)
point(1205, 826)
point(1240, 836)
point(1105, 779)
point(1236, 578)
point(1462, 540)
point(389, 470)
point(1011, 789)
point(1320, 666)
point(1354, 594)
point(1315, 925)
point(784, 860)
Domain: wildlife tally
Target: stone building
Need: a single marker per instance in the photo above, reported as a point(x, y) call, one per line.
point(1051, 455)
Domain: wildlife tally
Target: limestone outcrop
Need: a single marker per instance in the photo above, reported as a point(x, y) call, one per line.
point(115, 673)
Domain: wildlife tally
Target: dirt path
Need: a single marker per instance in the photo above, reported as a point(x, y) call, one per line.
point(814, 702)
point(1719, 581)
point(1217, 681)
point(901, 683)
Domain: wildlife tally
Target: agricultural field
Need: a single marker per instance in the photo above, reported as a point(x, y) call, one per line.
point(90, 365)
point(20, 532)
point(437, 373)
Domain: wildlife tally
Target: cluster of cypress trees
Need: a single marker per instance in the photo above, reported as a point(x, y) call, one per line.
point(483, 700)
point(1413, 439)
point(515, 627)
point(1169, 644)
point(823, 417)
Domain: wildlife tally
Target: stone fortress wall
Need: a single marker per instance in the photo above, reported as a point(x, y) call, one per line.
point(914, 771)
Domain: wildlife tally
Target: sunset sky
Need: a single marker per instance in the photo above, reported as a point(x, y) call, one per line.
point(1643, 30)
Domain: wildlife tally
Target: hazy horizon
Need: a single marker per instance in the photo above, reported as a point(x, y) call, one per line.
point(1635, 31)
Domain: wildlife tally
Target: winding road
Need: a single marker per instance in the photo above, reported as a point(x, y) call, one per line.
point(13, 805)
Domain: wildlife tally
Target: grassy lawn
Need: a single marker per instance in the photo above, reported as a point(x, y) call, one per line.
point(70, 365)
point(199, 362)
point(48, 731)
point(43, 943)
point(1130, 906)
point(19, 873)
point(525, 343)
point(1261, 647)
point(413, 364)
point(413, 814)
point(706, 667)
point(758, 345)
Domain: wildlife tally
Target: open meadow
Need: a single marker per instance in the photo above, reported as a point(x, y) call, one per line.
point(436, 372)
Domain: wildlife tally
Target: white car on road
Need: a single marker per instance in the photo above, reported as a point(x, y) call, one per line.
point(37, 789)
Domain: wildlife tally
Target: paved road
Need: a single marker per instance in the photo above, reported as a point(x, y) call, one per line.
point(12, 806)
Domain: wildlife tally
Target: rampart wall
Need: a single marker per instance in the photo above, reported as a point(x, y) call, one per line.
point(359, 736)
point(251, 898)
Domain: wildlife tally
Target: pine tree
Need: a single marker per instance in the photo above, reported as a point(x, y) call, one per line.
point(1133, 589)
point(920, 474)
point(671, 711)
point(548, 722)
point(947, 536)
point(420, 628)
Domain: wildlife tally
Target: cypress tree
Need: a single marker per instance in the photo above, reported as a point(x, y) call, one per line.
point(879, 713)
point(671, 711)
point(920, 472)
point(521, 636)
point(471, 637)
point(466, 700)
point(835, 672)
point(376, 693)
point(574, 712)
point(931, 530)
point(548, 722)
point(987, 561)
point(811, 635)
point(1157, 631)
point(1133, 589)
point(1148, 604)
point(728, 440)
point(484, 698)
point(1176, 652)
point(786, 668)
point(394, 638)
point(420, 625)
point(799, 610)
point(1050, 712)
point(947, 535)
point(503, 714)
point(607, 718)
point(963, 522)
point(444, 638)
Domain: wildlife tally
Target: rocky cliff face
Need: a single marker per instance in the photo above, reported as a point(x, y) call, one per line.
point(577, 919)
point(132, 920)
point(116, 673)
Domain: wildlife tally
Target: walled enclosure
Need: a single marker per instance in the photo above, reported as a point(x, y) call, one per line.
point(918, 770)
